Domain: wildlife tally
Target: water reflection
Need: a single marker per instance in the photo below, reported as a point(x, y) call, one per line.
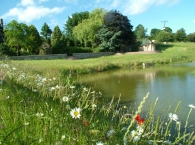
point(170, 84)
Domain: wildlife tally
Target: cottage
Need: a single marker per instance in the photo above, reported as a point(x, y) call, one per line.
point(147, 45)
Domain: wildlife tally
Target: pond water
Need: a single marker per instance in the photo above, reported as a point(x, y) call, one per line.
point(170, 84)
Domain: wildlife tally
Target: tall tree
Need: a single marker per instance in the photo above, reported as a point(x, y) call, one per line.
point(86, 31)
point(73, 21)
point(46, 32)
point(140, 32)
point(34, 40)
point(16, 35)
point(191, 37)
point(167, 29)
point(153, 33)
point(180, 35)
point(164, 36)
point(56, 35)
point(116, 32)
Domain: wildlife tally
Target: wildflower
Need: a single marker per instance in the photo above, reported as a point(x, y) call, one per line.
point(63, 137)
point(65, 99)
point(40, 140)
point(75, 113)
point(134, 133)
point(191, 106)
point(99, 143)
point(52, 88)
point(167, 142)
point(13, 68)
point(72, 87)
point(26, 123)
point(110, 132)
point(140, 129)
point(93, 105)
point(139, 119)
point(34, 90)
point(85, 89)
point(173, 116)
point(39, 114)
point(57, 87)
point(136, 138)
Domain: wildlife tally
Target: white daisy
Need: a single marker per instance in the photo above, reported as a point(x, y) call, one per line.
point(136, 138)
point(65, 99)
point(63, 137)
point(75, 113)
point(110, 132)
point(39, 114)
point(191, 106)
point(99, 143)
point(173, 116)
point(72, 87)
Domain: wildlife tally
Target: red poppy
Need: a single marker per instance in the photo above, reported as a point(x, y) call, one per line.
point(139, 119)
point(85, 123)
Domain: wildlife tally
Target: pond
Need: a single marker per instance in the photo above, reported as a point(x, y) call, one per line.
point(170, 84)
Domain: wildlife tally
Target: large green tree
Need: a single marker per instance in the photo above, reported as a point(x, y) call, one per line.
point(86, 31)
point(116, 32)
point(46, 33)
point(56, 35)
point(164, 36)
point(154, 32)
point(140, 32)
point(191, 37)
point(73, 21)
point(16, 35)
point(34, 40)
point(180, 35)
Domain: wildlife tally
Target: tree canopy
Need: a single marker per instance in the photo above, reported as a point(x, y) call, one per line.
point(115, 32)
point(86, 31)
point(180, 35)
point(140, 32)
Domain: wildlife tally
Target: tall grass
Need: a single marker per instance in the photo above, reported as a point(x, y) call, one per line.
point(46, 108)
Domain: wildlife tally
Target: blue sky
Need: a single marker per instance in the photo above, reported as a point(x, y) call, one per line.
point(150, 13)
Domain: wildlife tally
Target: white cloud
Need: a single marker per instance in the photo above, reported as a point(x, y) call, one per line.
point(194, 21)
point(115, 3)
point(27, 11)
point(26, 3)
point(133, 7)
point(71, 1)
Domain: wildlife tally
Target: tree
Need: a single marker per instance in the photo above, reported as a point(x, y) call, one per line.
point(46, 32)
point(191, 37)
point(86, 31)
point(4, 50)
point(154, 32)
point(116, 32)
point(34, 40)
point(56, 35)
point(164, 36)
point(73, 21)
point(140, 32)
point(180, 35)
point(167, 29)
point(16, 35)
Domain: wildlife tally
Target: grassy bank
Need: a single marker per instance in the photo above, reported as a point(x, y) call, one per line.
point(170, 53)
point(38, 109)
point(38, 106)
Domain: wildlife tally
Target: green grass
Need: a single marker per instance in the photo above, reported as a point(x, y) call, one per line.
point(33, 108)
point(170, 53)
